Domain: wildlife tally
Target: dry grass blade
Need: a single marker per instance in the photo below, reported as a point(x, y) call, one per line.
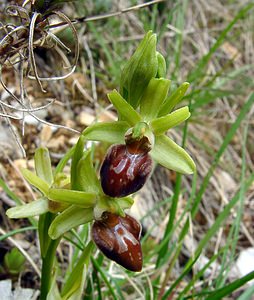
point(76, 54)
point(109, 15)
point(31, 51)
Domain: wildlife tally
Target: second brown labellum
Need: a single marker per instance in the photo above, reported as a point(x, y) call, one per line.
point(119, 239)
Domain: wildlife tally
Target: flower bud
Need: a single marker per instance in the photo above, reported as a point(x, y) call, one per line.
point(119, 239)
point(138, 71)
point(162, 69)
point(124, 172)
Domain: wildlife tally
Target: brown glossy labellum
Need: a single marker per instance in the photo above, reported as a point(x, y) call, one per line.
point(124, 172)
point(119, 239)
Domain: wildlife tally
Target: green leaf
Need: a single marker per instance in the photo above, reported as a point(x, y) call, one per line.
point(14, 261)
point(79, 291)
point(125, 110)
point(16, 231)
point(43, 165)
point(230, 288)
point(247, 294)
point(83, 199)
point(104, 276)
point(62, 163)
point(34, 180)
point(69, 218)
point(173, 99)
point(112, 132)
point(77, 155)
point(171, 156)
point(152, 98)
point(75, 282)
point(13, 196)
point(162, 124)
point(54, 293)
point(87, 179)
point(34, 208)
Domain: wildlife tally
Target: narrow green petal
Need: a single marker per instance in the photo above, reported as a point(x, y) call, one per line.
point(173, 157)
point(162, 124)
point(173, 99)
point(71, 217)
point(153, 97)
point(34, 208)
point(83, 199)
point(111, 132)
point(125, 110)
point(43, 165)
point(36, 181)
point(87, 178)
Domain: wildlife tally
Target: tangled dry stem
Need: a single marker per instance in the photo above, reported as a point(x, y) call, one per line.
point(17, 52)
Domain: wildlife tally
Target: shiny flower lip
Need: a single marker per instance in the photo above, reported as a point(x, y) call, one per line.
point(119, 239)
point(123, 173)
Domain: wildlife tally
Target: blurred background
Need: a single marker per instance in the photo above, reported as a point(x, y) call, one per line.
point(209, 44)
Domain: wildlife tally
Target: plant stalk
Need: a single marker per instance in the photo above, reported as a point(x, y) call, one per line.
point(48, 268)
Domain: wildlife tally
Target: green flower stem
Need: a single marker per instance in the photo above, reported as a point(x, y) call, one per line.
point(48, 253)
point(48, 268)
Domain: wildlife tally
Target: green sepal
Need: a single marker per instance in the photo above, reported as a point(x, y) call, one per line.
point(43, 165)
point(83, 199)
point(77, 155)
point(154, 95)
point(125, 110)
point(75, 281)
point(111, 132)
point(171, 156)
point(162, 124)
point(69, 218)
point(138, 71)
point(173, 99)
point(34, 208)
point(87, 179)
point(36, 181)
point(162, 68)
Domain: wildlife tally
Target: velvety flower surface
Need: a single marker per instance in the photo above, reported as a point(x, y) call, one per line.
point(119, 239)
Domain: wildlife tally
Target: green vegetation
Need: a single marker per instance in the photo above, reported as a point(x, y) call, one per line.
point(190, 250)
